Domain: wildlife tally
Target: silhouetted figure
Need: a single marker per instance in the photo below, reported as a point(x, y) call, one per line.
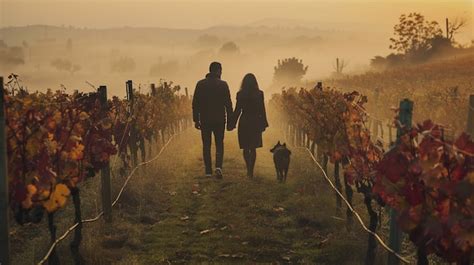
point(211, 103)
point(250, 107)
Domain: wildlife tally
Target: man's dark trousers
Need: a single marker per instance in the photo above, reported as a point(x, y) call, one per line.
point(206, 134)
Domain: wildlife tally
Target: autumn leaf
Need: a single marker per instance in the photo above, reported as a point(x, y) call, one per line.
point(31, 190)
point(58, 198)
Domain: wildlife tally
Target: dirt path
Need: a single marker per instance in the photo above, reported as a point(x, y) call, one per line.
point(172, 214)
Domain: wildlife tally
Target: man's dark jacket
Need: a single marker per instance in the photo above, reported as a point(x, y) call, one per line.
point(211, 101)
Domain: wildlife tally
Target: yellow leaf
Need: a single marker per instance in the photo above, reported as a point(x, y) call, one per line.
point(57, 116)
point(470, 177)
point(51, 146)
point(83, 116)
point(33, 146)
point(58, 198)
point(27, 101)
point(77, 152)
point(27, 203)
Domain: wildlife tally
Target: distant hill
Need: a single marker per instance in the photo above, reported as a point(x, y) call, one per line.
point(281, 28)
point(284, 23)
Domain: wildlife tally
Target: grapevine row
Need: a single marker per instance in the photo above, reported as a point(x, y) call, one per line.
point(56, 140)
point(425, 178)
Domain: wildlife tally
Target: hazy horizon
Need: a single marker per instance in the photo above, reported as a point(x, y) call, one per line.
point(189, 14)
point(316, 31)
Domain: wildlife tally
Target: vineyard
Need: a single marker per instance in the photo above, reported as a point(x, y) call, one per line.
point(423, 179)
point(434, 94)
point(55, 141)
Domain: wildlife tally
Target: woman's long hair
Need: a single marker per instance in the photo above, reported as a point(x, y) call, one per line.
point(249, 85)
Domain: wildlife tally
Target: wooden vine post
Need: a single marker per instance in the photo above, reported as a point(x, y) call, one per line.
point(105, 172)
point(470, 117)
point(153, 89)
point(4, 211)
point(395, 237)
point(337, 181)
point(376, 124)
point(133, 130)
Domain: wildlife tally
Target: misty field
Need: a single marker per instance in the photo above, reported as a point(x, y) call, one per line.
point(104, 125)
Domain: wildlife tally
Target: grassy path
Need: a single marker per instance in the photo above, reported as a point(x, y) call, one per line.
point(172, 214)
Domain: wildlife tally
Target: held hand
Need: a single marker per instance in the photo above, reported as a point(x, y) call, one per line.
point(197, 125)
point(230, 128)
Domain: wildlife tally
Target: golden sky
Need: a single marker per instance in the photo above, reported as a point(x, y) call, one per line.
point(334, 14)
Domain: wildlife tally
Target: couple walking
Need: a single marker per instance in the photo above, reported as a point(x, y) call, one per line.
point(212, 111)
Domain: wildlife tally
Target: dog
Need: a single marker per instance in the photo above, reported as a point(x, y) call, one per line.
point(281, 158)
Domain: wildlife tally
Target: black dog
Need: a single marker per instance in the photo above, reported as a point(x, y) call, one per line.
point(281, 157)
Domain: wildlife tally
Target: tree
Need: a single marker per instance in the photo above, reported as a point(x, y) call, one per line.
point(123, 65)
point(168, 69)
point(11, 56)
point(289, 71)
point(229, 48)
point(69, 45)
point(62, 64)
point(454, 27)
point(75, 68)
point(339, 66)
point(65, 65)
point(389, 61)
point(413, 34)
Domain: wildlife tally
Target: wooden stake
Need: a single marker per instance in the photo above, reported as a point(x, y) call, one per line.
point(4, 209)
point(395, 237)
point(105, 172)
point(447, 28)
point(470, 117)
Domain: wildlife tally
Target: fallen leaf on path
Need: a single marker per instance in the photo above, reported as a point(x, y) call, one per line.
point(278, 209)
point(323, 242)
point(223, 228)
point(286, 258)
point(338, 218)
point(203, 232)
point(173, 193)
point(237, 255)
point(184, 218)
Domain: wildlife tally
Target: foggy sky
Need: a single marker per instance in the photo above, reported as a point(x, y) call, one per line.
point(336, 14)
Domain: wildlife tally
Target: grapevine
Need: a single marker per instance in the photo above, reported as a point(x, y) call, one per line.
point(425, 177)
point(56, 140)
point(430, 182)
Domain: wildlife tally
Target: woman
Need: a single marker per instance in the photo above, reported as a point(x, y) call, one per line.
point(250, 108)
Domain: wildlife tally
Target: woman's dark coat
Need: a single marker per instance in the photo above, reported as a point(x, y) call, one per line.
point(250, 108)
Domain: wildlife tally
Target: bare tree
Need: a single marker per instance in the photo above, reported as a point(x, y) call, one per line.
point(339, 66)
point(453, 27)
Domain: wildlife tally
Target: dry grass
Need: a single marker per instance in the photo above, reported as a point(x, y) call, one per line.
point(440, 90)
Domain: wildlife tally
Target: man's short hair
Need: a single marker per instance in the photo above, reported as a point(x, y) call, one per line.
point(215, 67)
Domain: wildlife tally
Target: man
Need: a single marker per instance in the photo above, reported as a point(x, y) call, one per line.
point(211, 105)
